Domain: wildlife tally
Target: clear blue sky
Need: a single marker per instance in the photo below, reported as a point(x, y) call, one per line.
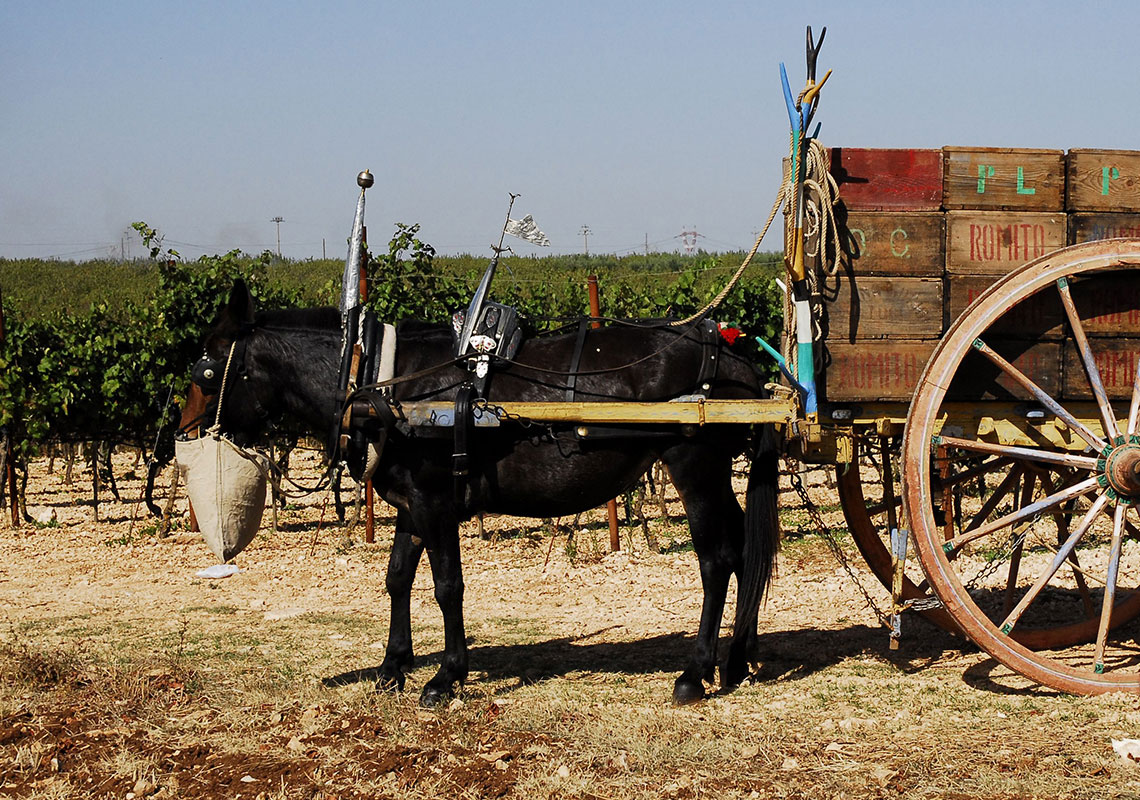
point(638, 119)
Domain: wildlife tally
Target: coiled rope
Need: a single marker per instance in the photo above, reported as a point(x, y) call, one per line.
point(821, 233)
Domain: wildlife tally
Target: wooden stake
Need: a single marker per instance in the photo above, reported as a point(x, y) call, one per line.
point(611, 506)
point(9, 467)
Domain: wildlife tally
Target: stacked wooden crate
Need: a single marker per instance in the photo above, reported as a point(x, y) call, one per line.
point(927, 231)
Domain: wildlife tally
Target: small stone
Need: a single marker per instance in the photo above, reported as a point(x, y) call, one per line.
point(311, 713)
point(143, 787)
point(563, 771)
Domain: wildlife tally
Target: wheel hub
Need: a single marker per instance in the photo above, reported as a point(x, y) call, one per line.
point(1119, 468)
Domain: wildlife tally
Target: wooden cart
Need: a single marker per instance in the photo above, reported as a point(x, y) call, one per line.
point(979, 389)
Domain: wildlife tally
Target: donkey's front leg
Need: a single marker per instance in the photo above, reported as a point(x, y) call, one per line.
point(448, 575)
point(406, 551)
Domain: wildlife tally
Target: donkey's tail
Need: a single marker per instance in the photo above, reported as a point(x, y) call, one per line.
point(761, 528)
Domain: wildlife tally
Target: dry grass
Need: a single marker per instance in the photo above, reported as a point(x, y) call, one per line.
point(136, 676)
point(856, 726)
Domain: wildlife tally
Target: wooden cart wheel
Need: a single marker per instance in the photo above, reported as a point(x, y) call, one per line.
point(1033, 382)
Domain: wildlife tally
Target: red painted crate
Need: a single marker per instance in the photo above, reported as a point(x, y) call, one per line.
point(888, 179)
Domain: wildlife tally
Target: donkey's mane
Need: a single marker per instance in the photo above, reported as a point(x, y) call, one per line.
point(326, 318)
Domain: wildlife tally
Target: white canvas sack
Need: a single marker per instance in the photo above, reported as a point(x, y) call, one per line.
point(226, 486)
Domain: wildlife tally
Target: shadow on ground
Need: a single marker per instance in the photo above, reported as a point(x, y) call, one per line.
point(783, 655)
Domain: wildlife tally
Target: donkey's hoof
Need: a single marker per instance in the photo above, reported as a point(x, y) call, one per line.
point(687, 691)
point(433, 696)
point(733, 675)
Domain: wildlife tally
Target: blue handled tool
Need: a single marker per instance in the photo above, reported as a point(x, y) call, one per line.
point(801, 110)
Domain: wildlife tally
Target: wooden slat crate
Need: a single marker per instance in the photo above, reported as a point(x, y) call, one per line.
point(995, 242)
point(1091, 227)
point(1115, 360)
point(1041, 317)
point(866, 307)
point(1109, 305)
point(872, 179)
point(894, 243)
point(1103, 180)
point(874, 370)
point(998, 178)
point(889, 370)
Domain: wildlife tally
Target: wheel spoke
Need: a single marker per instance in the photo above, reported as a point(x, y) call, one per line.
point(1108, 416)
point(1022, 453)
point(879, 508)
point(1060, 558)
point(1027, 486)
point(1011, 579)
point(965, 475)
point(1132, 411)
point(994, 499)
point(1062, 521)
point(1040, 394)
point(1109, 586)
point(1077, 489)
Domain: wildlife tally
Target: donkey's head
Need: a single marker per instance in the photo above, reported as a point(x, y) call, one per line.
point(270, 367)
point(223, 372)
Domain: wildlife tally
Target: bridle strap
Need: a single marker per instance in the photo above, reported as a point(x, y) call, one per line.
point(217, 426)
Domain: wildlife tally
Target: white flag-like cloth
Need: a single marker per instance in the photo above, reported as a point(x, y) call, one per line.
point(525, 228)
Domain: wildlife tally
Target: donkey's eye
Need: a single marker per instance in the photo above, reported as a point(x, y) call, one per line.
point(217, 349)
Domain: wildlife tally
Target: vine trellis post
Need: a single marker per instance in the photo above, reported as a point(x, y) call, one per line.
point(9, 474)
point(611, 506)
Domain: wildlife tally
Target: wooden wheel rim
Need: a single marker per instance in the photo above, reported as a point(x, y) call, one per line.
point(917, 486)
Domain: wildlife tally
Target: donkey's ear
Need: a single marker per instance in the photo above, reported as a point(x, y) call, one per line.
point(236, 313)
point(239, 308)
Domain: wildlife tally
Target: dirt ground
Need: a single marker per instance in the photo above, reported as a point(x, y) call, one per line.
point(125, 675)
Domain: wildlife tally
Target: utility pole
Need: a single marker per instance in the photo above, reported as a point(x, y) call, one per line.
point(586, 237)
point(647, 245)
point(278, 220)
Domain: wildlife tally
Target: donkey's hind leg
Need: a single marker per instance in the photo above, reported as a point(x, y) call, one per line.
point(702, 476)
point(405, 557)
